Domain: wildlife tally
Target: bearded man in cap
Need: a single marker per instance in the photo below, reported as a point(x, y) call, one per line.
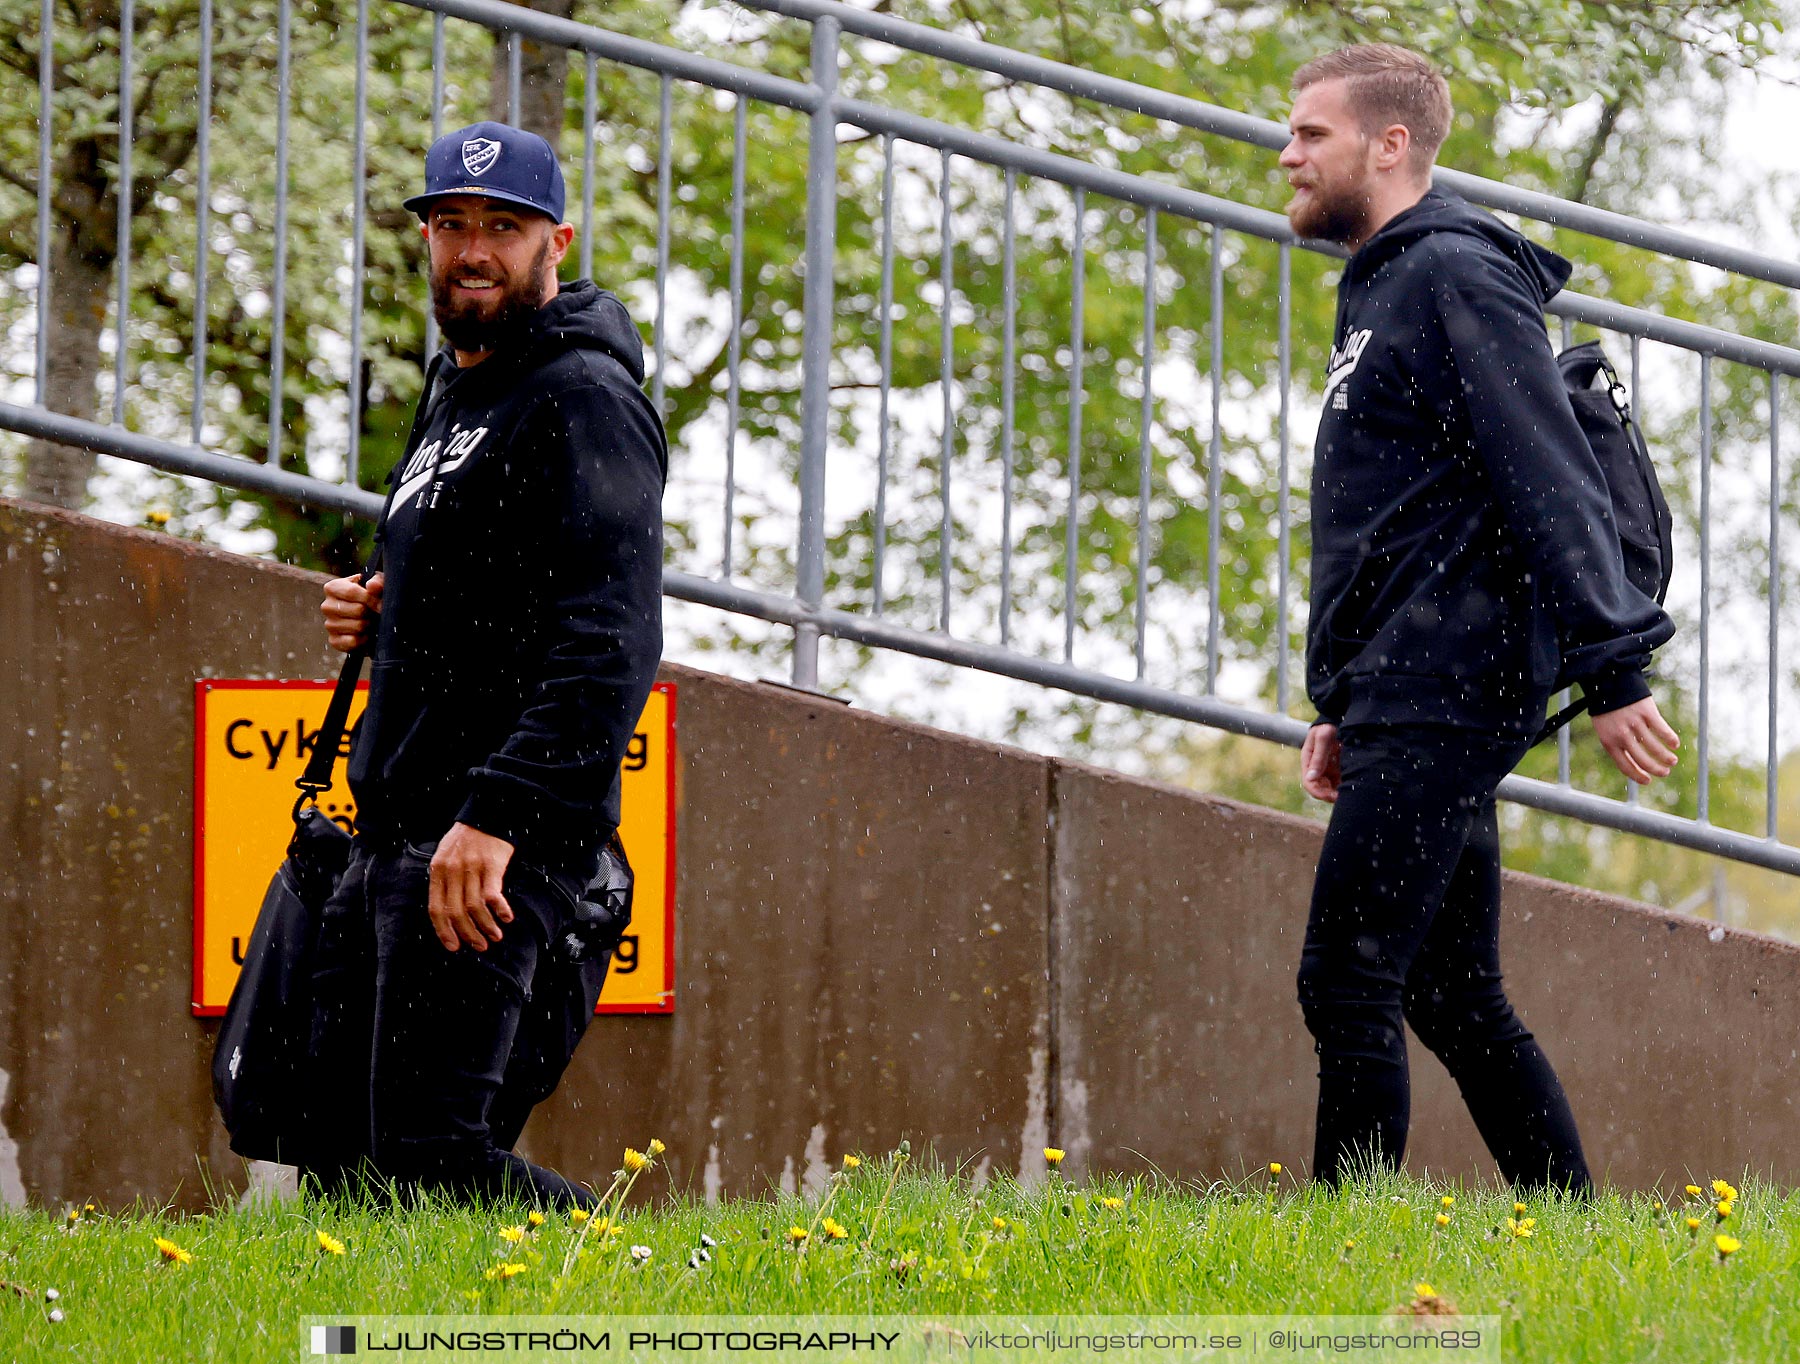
point(515, 631)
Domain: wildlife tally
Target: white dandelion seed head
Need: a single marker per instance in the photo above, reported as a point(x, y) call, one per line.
point(707, 1241)
point(51, 1295)
point(56, 1314)
point(640, 1253)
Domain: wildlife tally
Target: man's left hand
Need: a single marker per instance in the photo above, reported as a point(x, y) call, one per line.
point(1638, 740)
point(466, 875)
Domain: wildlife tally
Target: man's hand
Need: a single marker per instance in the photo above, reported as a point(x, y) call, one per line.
point(1319, 763)
point(466, 874)
point(349, 608)
point(1638, 740)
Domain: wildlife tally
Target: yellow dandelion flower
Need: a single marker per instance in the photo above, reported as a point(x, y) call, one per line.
point(1442, 1219)
point(656, 1148)
point(834, 1229)
point(1112, 1203)
point(999, 1223)
point(512, 1235)
point(1447, 1201)
point(852, 1162)
point(578, 1215)
point(1349, 1245)
point(157, 516)
point(635, 1160)
point(506, 1271)
point(535, 1218)
point(797, 1234)
point(172, 1253)
point(329, 1244)
point(1723, 1208)
point(1693, 1225)
point(1656, 1206)
point(1723, 1190)
point(1727, 1245)
point(1424, 1290)
point(1054, 1156)
point(1694, 1191)
point(1520, 1228)
point(1274, 1167)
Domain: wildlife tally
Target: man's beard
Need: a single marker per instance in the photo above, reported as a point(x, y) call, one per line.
point(1336, 213)
point(469, 326)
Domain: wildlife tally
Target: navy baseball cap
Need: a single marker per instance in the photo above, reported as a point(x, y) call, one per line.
point(496, 161)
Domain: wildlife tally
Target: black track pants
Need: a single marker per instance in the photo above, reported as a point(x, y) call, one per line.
point(418, 1053)
point(1405, 923)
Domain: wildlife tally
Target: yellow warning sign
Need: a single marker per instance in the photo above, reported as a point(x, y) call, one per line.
point(253, 738)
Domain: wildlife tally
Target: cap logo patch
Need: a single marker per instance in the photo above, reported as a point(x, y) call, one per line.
point(479, 155)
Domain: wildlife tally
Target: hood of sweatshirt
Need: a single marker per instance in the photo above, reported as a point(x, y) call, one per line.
point(1544, 270)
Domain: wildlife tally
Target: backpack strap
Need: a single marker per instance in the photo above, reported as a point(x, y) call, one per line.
point(1562, 717)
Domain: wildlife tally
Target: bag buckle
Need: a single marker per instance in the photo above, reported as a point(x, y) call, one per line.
point(308, 791)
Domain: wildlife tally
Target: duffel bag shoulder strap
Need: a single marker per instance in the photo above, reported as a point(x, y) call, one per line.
point(316, 779)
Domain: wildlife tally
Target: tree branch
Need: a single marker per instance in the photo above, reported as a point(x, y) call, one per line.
point(12, 177)
point(1603, 135)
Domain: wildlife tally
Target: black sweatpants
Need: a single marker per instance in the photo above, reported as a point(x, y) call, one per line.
point(1405, 923)
point(425, 1063)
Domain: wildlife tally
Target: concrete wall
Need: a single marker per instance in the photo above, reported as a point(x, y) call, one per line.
point(883, 932)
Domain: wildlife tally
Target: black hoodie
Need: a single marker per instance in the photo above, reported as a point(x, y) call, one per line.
point(1464, 561)
point(521, 620)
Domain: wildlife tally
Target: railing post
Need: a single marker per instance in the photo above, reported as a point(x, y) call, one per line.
point(815, 382)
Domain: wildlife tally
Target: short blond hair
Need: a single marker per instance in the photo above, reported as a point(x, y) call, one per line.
point(1387, 85)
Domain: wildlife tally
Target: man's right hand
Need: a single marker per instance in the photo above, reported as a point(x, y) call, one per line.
point(1638, 740)
point(1319, 772)
point(349, 609)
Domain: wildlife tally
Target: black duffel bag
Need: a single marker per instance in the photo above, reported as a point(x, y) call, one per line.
point(260, 1054)
point(262, 1044)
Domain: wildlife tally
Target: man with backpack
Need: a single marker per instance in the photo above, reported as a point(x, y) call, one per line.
point(1465, 564)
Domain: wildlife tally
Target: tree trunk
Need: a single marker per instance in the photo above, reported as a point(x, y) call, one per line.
point(79, 295)
point(543, 80)
point(82, 255)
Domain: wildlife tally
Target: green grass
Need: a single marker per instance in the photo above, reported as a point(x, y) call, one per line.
point(1610, 1280)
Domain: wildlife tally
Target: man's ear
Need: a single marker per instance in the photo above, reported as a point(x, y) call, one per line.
point(560, 237)
point(1392, 147)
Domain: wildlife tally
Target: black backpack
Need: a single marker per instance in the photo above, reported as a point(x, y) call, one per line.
point(1640, 511)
